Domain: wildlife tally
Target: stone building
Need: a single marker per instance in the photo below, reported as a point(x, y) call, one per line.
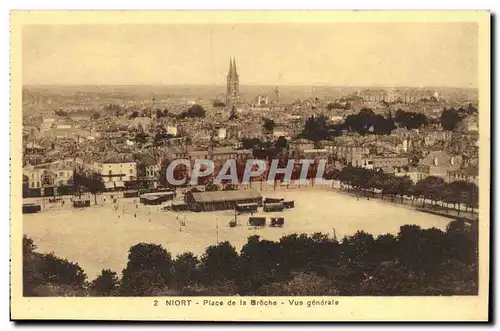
point(233, 85)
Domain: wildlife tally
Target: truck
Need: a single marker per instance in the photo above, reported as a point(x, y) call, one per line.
point(257, 221)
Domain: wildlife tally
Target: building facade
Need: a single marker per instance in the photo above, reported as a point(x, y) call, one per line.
point(115, 172)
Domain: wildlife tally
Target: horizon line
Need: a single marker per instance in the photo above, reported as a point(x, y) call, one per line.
point(253, 85)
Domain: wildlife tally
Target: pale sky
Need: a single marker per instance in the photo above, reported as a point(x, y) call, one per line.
point(336, 54)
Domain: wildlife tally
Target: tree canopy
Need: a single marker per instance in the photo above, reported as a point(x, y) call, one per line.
point(195, 111)
point(450, 119)
point(415, 261)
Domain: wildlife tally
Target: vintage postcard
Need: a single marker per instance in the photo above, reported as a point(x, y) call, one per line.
point(250, 166)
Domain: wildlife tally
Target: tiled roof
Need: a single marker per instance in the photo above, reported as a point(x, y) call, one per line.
point(217, 196)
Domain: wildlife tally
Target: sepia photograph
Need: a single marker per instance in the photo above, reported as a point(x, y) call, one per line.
point(231, 165)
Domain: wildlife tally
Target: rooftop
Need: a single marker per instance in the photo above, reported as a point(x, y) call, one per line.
point(217, 196)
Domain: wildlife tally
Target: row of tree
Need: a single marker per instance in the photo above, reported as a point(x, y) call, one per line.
point(430, 188)
point(414, 262)
point(318, 128)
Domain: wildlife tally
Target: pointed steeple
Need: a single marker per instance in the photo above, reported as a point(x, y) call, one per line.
point(230, 73)
point(234, 66)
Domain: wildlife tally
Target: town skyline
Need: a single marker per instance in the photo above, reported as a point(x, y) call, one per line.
point(436, 55)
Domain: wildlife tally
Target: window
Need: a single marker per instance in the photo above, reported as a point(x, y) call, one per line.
point(130, 171)
point(61, 173)
point(110, 172)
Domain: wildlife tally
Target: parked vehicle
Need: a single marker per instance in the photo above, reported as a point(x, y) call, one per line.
point(277, 222)
point(273, 207)
point(257, 221)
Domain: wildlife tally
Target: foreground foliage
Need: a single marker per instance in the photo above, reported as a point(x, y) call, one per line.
point(414, 262)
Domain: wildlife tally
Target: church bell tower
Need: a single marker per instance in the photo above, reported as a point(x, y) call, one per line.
point(233, 85)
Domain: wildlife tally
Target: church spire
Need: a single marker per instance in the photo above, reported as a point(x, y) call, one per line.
point(234, 66)
point(230, 67)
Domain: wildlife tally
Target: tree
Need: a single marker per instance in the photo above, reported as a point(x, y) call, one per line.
point(421, 249)
point(384, 247)
point(106, 283)
point(96, 115)
point(367, 122)
point(141, 168)
point(357, 251)
point(316, 128)
point(472, 196)
point(431, 187)
point(450, 119)
point(251, 143)
point(376, 180)
point(297, 252)
point(410, 120)
point(186, 272)
point(461, 242)
point(455, 193)
point(28, 245)
point(31, 275)
point(220, 262)
point(281, 143)
point(301, 284)
point(268, 126)
point(260, 264)
point(149, 266)
point(195, 111)
point(402, 186)
point(92, 181)
point(388, 279)
point(61, 272)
